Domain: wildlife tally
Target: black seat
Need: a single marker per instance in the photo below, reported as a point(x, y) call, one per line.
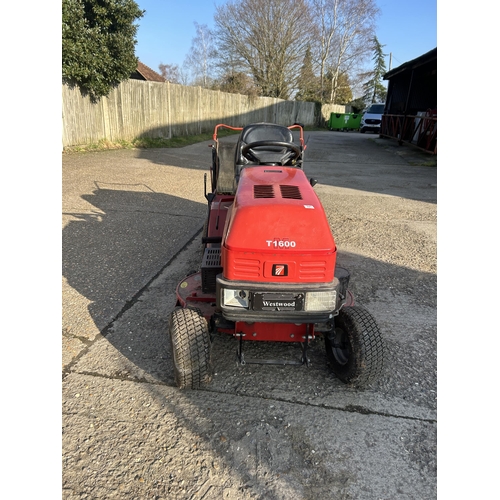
point(257, 132)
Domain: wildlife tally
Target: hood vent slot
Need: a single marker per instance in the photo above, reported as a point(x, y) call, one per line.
point(263, 191)
point(291, 192)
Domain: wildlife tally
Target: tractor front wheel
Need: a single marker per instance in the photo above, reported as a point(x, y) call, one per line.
point(355, 348)
point(190, 343)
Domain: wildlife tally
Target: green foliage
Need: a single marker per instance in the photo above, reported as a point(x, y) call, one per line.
point(308, 84)
point(343, 92)
point(358, 105)
point(98, 44)
point(374, 91)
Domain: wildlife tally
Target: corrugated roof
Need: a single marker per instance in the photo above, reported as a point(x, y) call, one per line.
point(429, 56)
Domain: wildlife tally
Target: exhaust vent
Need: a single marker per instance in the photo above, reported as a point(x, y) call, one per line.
point(263, 191)
point(291, 192)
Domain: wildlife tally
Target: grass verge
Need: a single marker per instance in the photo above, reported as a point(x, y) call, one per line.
point(146, 143)
point(149, 143)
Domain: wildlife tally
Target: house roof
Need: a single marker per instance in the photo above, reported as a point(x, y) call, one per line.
point(148, 74)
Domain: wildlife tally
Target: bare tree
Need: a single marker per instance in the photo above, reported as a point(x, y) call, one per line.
point(268, 38)
point(201, 55)
point(345, 28)
point(237, 83)
point(325, 15)
point(173, 73)
point(170, 72)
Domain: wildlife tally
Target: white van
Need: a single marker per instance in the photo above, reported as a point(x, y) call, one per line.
point(372, 118)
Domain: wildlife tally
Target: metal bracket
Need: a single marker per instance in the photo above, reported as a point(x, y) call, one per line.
point(305, 345)
point(304, 360)
point(239, 352)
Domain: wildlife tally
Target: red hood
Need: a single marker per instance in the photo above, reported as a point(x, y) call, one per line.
point(276, 209)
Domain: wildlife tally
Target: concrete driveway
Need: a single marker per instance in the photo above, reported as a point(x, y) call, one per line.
point(131, 231)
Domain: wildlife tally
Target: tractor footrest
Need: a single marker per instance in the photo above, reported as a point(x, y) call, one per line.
point(303, 361)
point(210, 268)
point(280, 362)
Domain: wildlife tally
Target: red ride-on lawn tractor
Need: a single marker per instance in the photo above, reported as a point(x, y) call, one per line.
point(269, 270)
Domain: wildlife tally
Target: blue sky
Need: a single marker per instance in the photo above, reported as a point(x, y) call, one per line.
point(408, 29)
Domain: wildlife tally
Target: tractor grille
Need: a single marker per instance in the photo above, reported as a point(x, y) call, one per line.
point(291, 192)
point(263, 191)
point(267, 191)
point(246, 268)
point(312, 271)
point(210, 268)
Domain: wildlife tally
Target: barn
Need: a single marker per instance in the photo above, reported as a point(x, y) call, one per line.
point(410, 114)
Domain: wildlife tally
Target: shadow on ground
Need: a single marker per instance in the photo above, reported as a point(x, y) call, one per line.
point(111, 254)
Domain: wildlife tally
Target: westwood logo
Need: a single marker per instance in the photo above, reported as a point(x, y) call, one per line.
point(280, 270)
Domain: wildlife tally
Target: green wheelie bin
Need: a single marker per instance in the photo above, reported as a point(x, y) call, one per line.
point(338, 121)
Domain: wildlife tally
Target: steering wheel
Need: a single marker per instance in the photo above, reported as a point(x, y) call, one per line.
point(292, 150)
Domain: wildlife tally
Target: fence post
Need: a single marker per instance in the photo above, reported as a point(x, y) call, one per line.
point(169, 112)
point(199, 109)
point(105, 118)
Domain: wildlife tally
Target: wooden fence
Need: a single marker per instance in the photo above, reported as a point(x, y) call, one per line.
point(151, 109)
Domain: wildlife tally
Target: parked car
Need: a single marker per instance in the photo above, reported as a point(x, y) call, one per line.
point(372, 118)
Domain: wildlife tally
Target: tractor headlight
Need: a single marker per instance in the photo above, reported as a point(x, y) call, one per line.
point(235, 298)
point(321, 301)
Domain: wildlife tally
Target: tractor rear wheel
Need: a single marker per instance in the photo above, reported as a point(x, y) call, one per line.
point(190, 343)
point(355, 348)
